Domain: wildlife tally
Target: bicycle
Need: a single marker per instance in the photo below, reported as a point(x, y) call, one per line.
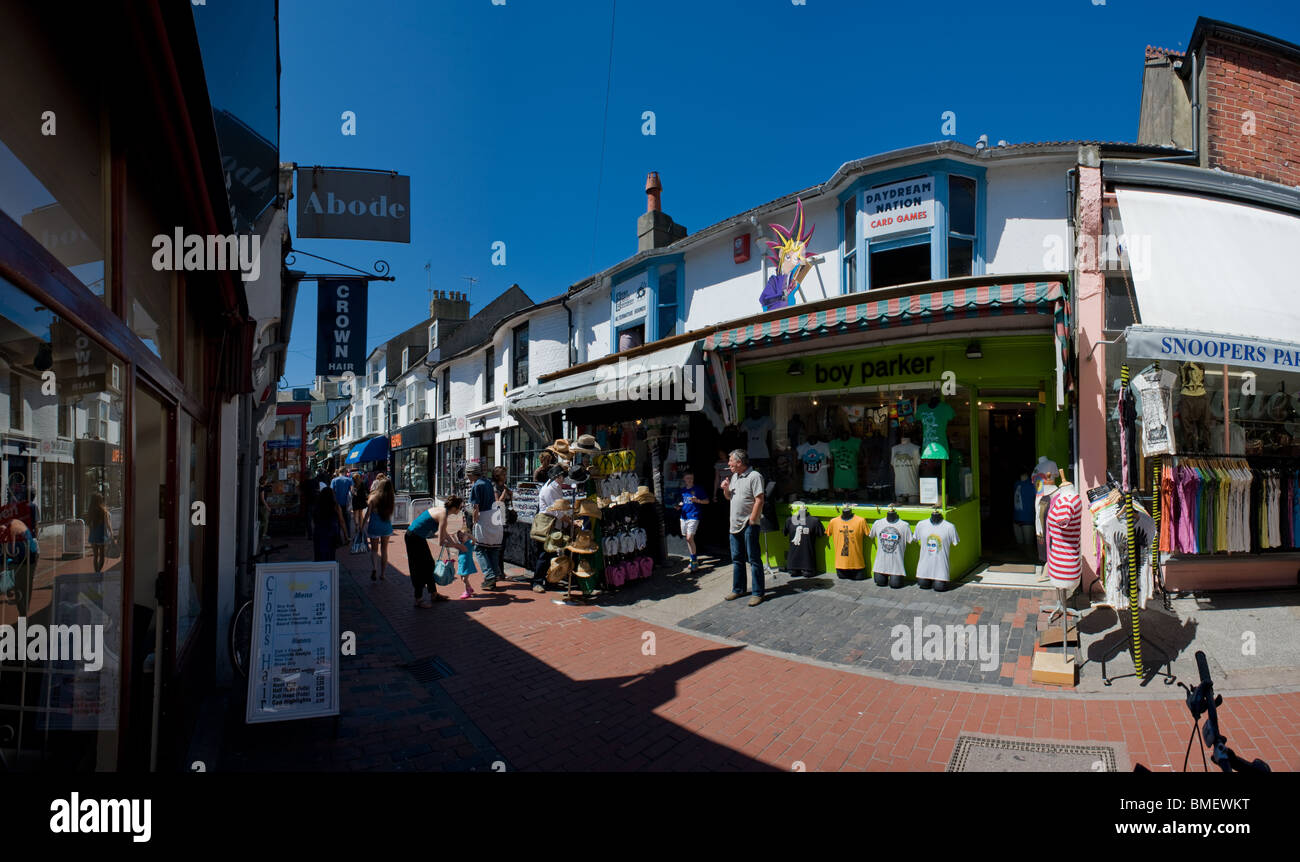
point(241, 624)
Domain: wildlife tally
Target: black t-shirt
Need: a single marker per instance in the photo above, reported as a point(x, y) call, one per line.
point(801, 557)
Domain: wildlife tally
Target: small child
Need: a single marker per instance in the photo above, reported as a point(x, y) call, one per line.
point(465, 562)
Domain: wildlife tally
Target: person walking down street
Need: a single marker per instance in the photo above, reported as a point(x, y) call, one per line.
point(328, 526)
point(549, 494)
point(691, 498)
point(430, 524)
point(359, 496)
point(379, 529)
point(744, 488)
point(101, 530)
point(487, 535)
point(342, 487)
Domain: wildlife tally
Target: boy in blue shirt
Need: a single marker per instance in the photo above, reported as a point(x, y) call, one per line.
point(690, 498)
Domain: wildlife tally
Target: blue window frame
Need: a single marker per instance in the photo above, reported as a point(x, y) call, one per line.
point(956, 240)
point(665, 313)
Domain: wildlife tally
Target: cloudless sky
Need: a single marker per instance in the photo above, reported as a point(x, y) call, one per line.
point(495, 112)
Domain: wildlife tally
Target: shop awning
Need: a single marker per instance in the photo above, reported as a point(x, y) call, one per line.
point(665, 375)
point(375, 449)
point(1209, 265)
point(1036, 297)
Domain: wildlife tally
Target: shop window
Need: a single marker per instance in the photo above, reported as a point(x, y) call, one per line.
point(489, 375)
point(850, 250)
point(519, 356)
point(632, 336)
point(412, 467)
point(451, 469)
point(667, 301)
point(961, 256)
point(190, 579)
point(372, 419)
point(16, 401)
point(446, 391)
point(1121, 303)
point(961, 205)
point(877, 435)
point(520, 450)
point(904, 265)
point(70, 495)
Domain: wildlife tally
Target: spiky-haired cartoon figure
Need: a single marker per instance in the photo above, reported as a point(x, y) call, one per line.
point(790, 257)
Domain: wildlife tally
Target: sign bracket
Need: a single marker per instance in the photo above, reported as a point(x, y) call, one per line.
point(381, 267)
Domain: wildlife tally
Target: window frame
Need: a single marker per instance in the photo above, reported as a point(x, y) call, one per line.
point(519, 356)
point(445, 395)
point(489, 373)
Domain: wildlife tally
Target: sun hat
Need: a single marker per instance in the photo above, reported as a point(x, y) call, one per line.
point(555, 542)
point(559, 569)
point(583, 544)
point(560, 505)
point(644, 495)
point(587, 444)
point(588, 508)
point(561, 449)
point(585, 569)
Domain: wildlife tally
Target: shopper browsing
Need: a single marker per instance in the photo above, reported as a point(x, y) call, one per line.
point(430, 524)
point(487, 551)
point(691, 498)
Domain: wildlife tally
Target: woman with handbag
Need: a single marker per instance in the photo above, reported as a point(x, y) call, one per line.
point(359, 495)
point(379, 524)
point(328, 525)
point(101, 530)
point(432, 523)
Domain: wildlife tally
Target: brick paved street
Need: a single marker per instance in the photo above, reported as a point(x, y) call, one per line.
point(541, 686)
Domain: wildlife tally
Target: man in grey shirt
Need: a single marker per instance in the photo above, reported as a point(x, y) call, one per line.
point(744, 488)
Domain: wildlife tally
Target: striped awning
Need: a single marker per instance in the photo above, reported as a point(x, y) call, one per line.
point(986, 300)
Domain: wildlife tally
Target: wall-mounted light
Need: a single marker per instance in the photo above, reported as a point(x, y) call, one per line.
point(973, 351)
point(795, 369)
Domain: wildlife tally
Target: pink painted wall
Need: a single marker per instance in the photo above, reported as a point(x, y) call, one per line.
point(1090, 290)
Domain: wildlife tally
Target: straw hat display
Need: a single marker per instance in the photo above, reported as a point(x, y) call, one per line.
point(583, 544)
point(585, 569)
point(588, 508)
point(555, 542)
point(561, 449)
point(587, 445)
point(559, 570)
point(644, 495)
point(560, 505)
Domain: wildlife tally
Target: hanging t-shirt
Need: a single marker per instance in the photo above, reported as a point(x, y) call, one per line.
point(815, 464)
point(845, 454)
point(1110, 525)
point(1023, 503)
point(848, 538)
point(1155, 389)
point(800, 557)
point(935, 541)
point(756, 428)
point(1064, 562)
point(934, 429)
point(892, 540)
point(906, 458)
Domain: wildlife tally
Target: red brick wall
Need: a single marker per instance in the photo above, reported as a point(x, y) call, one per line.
point(1242, 79)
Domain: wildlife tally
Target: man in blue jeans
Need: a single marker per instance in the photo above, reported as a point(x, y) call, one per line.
point(481, 497)
point(744, 488)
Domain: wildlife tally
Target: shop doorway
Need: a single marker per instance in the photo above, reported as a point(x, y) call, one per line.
point(1007, 441)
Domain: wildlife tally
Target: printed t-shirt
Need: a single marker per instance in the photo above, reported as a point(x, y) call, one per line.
point(906, 460)
point(892, 540)
point(815, 462)
point(800, 556)
point(934, 429)
point(845, 453)
point(1023, 503)
point(848, 538)
point(1155, 391)
point(691, 509)
point(756, 431)
point(1064, 562)
point(935, 540)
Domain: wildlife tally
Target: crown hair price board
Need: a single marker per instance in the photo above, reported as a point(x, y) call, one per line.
point(293, 666)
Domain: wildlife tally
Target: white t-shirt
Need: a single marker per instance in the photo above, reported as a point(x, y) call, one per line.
point(891, 541)
point(906, 458)
point(815, 462)
point(1155, 389)
point(757, 429)
point(935, 540)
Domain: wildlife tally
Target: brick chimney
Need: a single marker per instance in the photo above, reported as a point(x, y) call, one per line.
point(449, 305)
point(654, 229)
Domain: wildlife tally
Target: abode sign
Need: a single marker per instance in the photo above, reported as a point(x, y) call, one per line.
point(354, 204)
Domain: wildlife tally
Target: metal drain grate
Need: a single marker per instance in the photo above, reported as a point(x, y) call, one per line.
point(598, 615)
point(985, 754)
point(428, 670)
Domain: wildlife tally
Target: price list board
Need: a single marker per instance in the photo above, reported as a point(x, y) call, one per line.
point(293, 667)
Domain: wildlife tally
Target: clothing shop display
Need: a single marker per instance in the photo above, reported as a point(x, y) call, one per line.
point(756, 429)
point(1108, 523)
point(1064, 561)
point(892, 539)
point(1154, 388)
point(934, 419)
point(803, 531)
point(935, 541)
point(844, 453)
point(848, 538)
point(1044, 478)
point(906, 460)
point(1193, 409)
point(815, 464)
point(794, 430)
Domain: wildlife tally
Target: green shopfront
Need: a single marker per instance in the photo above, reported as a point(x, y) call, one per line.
point(884, 404)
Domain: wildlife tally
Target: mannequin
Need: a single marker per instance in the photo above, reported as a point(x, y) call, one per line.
point(906, 459)
point(848, 535)
point(814, 459)
point(1193, 408)
point(1064, 559)
point(1044, 479)
point(801, 558)
point(892, 538)
point(844, 454)
point(935, 536)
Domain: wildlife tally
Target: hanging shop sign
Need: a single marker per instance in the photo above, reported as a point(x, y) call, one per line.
point(631, 300)
point(341, 326)
point(293, 665)
point(352, 204)
point(77, 362)
point(868, 372)
point(1176, 345)
point(897, 207)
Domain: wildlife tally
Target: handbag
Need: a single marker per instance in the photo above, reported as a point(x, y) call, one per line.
point(444, 570)
point(490, 527)
point(359, 540)
point(542, 523)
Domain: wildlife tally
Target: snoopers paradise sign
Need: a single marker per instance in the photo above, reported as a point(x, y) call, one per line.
point(352, 204)
point(897, 207)
point(340, 326)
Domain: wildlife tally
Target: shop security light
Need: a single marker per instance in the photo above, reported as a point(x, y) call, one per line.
point(973, 351)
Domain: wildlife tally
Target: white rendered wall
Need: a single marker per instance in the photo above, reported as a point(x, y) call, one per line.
point(1026, 213)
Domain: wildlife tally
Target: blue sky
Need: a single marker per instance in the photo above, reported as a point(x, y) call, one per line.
point(495, 112)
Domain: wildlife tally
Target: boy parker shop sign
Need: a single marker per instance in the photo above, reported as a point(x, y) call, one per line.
point(869, 371)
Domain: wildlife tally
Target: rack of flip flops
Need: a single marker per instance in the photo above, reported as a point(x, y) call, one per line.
point(624, 541)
